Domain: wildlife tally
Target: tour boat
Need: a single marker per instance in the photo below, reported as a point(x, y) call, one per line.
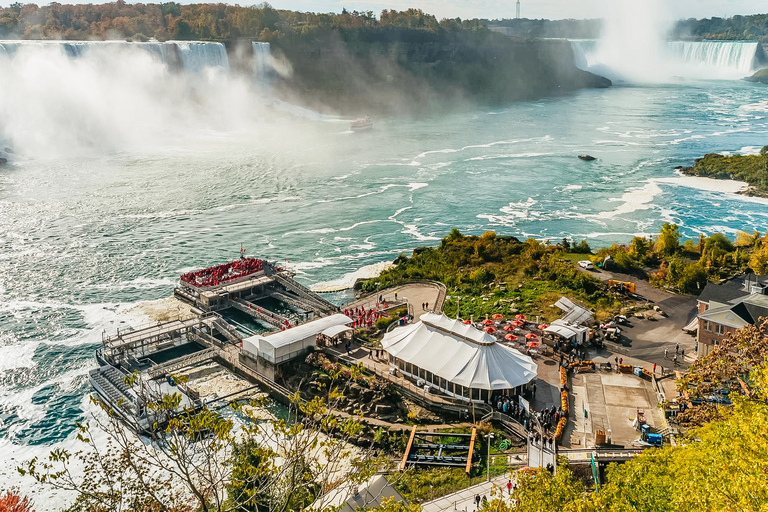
point(359, 125)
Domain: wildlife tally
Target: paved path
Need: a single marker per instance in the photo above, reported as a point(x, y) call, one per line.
point(414, 294)
point(464, 500)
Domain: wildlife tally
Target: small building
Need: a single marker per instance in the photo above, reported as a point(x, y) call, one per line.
point(292, 343)
point(458, 359)
point(725, 308)
point(570, 332)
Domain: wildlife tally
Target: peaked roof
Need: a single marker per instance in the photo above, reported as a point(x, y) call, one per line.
point(747, 310)
point(459, 353)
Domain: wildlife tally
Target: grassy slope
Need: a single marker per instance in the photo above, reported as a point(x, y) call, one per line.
point(494, 274)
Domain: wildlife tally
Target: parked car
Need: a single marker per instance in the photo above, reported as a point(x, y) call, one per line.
point(586, 264)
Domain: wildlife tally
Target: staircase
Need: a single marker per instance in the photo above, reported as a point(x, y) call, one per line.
point(182, 362)
point(305, 293)
point(265, 315)
point(227, 330)
point(111, 382)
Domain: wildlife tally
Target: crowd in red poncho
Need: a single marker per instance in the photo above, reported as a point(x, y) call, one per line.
point(219, 274)
point(363, 317)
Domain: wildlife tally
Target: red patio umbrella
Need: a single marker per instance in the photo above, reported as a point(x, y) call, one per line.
point(510, 337)
point(520, 317)
point(518, 323)
point(467, 322)
point(487, 322)
point(530, 336)
point(490, 330)
point(497, 317)
point(533, 344)
point(509, 327)
point(542, 326)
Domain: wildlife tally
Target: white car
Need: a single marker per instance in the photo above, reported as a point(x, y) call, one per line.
point(586, 264)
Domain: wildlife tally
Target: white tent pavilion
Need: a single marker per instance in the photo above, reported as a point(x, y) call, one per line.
point(458, 359)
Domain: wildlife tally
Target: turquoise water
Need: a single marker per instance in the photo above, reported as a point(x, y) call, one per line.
point(85, 235)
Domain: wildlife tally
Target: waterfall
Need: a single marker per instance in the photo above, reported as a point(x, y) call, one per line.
point(198, 56)
point(739, 56)
point(192, 57)
point(262, 61)
point(701, 59)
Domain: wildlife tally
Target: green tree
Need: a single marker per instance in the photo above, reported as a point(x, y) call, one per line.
point(668, 241)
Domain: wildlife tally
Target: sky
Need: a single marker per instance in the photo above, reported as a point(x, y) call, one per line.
point(490, 9)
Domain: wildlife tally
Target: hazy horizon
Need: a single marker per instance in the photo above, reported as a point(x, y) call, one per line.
point(496, 9)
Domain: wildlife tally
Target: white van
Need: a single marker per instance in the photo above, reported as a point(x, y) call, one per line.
point(586, 264)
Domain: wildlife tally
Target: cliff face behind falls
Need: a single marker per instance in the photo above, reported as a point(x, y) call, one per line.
point(402, 71)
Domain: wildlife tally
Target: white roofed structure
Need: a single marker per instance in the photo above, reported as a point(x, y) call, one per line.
point(291, 343)
point(569, 331)
point(458, 359)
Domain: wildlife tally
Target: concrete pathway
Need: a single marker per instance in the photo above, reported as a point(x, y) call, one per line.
point(413, 294)
point(464, 500)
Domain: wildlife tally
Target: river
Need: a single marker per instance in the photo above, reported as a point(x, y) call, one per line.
point(96, 219)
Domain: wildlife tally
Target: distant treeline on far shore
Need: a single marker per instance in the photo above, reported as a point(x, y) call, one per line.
point(219, 21)
point(737, 28)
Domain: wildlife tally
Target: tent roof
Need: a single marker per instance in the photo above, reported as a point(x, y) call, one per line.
point(459, 353)
point(335, 330)
point(565, 329)
point(301, 332)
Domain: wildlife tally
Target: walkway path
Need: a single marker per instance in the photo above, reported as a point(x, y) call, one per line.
point(464, 500)
point(414, 294)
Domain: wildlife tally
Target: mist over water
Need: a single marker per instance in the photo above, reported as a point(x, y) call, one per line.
point(65, 99)
point(634, 48)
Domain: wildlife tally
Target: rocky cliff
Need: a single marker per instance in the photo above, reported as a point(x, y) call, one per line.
point(411, 73)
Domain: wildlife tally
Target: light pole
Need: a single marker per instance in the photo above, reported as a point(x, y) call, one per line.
point(489, 437)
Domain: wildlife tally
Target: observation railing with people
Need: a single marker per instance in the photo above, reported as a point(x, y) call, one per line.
point(219, 274)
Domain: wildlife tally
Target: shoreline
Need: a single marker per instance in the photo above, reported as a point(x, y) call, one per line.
point(741, 189)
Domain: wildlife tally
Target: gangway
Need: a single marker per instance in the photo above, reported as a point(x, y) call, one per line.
point(306, 294)
point(227, 330)
point(259, 312)
point(182, 362)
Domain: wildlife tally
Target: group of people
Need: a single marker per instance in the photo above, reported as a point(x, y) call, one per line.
point(363, 317)
point(213, 276)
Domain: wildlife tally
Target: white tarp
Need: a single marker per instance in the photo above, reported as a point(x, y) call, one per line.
point(282, 346)
point(334, 331)
point(568, 331)
point(459, 354)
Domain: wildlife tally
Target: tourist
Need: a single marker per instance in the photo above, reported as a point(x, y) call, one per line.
point(682, 354)
point(427, 306)
point(621, 361)
point(666, 356)
point(676, 363)
point(677, 348)
point(395, 295)
point(616, 359)
point(477, 501)
point(509, 487)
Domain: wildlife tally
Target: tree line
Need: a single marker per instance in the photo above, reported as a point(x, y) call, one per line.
point(751, 28)
point(207, 22)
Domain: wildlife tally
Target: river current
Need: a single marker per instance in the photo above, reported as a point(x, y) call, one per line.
point(86, 235)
